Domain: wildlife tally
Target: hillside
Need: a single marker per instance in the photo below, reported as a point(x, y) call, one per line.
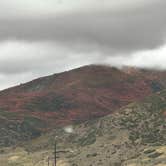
point(133, 136)
point(71, 97)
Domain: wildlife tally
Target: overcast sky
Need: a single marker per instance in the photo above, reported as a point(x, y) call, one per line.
point(41, 37)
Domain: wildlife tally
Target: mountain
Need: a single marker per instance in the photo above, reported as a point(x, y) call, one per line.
point(134, 135)
point(72, 97)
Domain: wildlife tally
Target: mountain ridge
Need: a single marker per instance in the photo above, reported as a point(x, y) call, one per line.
point(73, 97)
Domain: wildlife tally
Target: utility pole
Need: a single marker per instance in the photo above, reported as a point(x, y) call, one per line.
point(55, 152)
point(48, 161)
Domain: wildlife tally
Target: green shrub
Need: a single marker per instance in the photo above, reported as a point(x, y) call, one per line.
point(155, 155)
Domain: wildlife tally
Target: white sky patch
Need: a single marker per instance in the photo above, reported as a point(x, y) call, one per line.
point(10, 81)
point(23, 61)
point(155, 59)
point(19, 57)
point(149, 59)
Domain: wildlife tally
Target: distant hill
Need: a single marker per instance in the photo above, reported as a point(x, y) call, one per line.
point(72, 97)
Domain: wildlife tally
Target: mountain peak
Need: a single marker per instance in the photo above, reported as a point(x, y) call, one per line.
point(80, 94)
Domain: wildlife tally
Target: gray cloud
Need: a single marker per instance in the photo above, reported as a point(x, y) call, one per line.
point(39, 38)
point(39, 8)
point(119, 31)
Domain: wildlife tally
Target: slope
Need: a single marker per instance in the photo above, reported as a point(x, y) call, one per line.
point(74, 96)
point(134, 135)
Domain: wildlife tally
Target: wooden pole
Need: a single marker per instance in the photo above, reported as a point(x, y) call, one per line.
point(48, 161)
point(55, 153)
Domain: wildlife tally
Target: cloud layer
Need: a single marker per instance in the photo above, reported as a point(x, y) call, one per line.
point(125, 30)
point(43, 37)
point(33, 60)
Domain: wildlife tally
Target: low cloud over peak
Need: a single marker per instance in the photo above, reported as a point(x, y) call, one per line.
point(43, 37)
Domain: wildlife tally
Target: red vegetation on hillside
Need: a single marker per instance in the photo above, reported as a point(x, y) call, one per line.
point(81, 94)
